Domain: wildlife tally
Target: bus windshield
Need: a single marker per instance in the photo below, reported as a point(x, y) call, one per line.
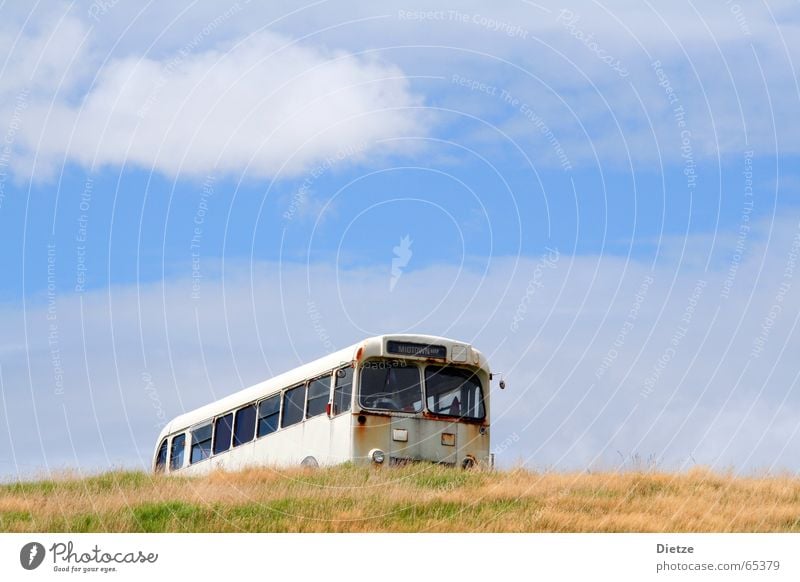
point(453, 392)
point(391, 385)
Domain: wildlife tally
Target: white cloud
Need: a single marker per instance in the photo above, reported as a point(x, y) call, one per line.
point(181, 87)
point(46, 55)
point(266, 105)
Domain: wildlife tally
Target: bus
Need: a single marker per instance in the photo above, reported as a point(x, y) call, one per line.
point(387, 400)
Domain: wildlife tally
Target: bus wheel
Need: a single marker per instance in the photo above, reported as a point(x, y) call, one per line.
point(468, 463)
point(309, 462)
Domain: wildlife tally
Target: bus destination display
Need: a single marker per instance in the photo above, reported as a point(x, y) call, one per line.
point(418, 350)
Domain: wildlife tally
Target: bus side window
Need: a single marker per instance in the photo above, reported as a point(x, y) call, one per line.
point(268, 412)
point(319, 392)
point(161, 458)
point(293, 401)
point(177, 451)
point(244, 428)
point(223, 427)
point(201, 444)
point(342, 394)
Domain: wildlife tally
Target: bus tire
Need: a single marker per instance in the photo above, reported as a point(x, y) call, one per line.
point(310, 462)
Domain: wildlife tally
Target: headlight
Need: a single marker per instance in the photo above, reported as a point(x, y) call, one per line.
point(377, 456)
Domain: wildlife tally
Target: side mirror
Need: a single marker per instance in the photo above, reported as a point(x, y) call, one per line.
point(502, 384)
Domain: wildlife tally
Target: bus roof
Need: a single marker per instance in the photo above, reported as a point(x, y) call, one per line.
point(296, 376)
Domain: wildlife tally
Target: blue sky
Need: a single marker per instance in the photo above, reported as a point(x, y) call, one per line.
point(183, 186)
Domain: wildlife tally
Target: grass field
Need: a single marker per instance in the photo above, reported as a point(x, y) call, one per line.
point(419, 498)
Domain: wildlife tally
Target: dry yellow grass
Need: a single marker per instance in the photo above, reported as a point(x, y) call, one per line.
point(419, 498)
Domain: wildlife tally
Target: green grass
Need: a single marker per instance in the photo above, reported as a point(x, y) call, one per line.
point(418, 498)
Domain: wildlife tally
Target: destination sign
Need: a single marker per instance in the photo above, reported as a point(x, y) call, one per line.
point(418, 350)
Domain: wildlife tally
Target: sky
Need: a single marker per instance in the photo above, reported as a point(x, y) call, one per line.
point(604, 198)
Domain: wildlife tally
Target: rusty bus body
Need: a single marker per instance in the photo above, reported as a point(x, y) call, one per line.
point(390, 399)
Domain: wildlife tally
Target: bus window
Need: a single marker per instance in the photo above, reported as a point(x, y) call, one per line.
point(343, 391)
point(319, 392)
point(201, 444)
point(391, 385)
point(244, 428)
point(268, 412)
point(161, 458)
point(453, 392)
point(176, 452)
point(222, 433)
point(293, 401)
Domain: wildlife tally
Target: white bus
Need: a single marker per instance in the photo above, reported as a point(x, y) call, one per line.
point(390, 399)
